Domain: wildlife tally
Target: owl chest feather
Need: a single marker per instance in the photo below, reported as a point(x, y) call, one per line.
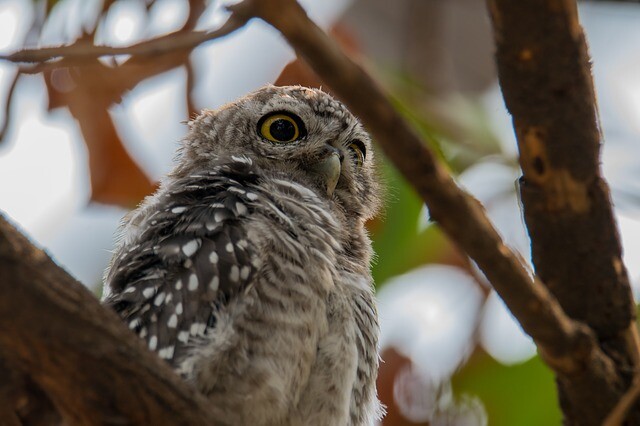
point(281, 320)
point(340, 385)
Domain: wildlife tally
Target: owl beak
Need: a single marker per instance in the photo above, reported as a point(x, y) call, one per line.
point(329, 170)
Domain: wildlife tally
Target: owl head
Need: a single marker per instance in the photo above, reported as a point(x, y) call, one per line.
point(295, 132)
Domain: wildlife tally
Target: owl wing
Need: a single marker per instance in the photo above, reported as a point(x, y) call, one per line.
point(192, 258)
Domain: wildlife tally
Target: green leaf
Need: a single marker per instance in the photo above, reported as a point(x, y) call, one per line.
point(397, 242)
point(523, 394)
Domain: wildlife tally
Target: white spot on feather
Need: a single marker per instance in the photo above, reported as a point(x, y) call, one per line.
point(148, 292)
point(241, 209)
point(193, 330)
point(173, 321)
point(244, 272)
point(178, 209)
point(159, 299)
point(234, 274)
point(215, 282)
point(183, 336)
point(153, 343)
point(179, 308)
point(193, 282)
point(242, 159)
point(191, 247)
point(166, 353)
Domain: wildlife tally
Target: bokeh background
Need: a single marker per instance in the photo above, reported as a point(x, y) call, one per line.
point(82, 145)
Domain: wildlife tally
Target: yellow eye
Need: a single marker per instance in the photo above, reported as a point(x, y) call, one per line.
point(358, 152)
point(281, 127)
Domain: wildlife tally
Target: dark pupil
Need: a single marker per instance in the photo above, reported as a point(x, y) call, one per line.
point(282, 130)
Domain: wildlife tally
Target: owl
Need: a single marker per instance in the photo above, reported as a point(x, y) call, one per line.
point(248, 270)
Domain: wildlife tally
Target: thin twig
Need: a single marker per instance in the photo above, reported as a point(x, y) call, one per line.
point(7, 105)
point(83, 51)
point(620, 411)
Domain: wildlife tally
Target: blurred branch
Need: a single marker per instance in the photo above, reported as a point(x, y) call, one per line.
point(7, 105)
point(621, 410)
point(568, 346)
point(545, 75)
point(94, 370)
point(83, 50)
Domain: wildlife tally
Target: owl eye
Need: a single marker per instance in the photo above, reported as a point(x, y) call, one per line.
point(358, 152)
point(281, 127)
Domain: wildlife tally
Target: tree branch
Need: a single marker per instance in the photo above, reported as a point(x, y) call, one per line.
point(83, 51)
point(567, 346)
point(544, 71)
point(94, 370)
point(7, 105)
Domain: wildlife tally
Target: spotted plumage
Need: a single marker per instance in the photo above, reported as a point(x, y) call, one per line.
point(248, 270)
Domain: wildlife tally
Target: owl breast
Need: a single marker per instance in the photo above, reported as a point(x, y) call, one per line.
point(299, 306)
point(248, 270)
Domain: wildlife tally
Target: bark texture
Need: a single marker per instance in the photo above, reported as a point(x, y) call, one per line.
point(59, 347)
point(545, 75)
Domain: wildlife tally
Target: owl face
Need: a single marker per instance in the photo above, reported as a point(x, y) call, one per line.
point(301, 133)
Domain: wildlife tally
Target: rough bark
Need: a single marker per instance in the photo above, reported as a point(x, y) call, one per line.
point(57, 340)
point(545, 75)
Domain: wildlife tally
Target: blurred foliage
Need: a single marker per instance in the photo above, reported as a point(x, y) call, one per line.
point(457, 130)
point(397, 242)
point(522, 394)
point(456, 127)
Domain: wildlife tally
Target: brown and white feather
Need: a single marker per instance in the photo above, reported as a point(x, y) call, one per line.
point(249, 277)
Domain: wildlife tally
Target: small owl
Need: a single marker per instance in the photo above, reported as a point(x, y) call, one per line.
point(248, 270)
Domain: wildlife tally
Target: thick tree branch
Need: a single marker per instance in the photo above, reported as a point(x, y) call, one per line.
point(567, 345)
point(545, 75)
point(94, 370)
